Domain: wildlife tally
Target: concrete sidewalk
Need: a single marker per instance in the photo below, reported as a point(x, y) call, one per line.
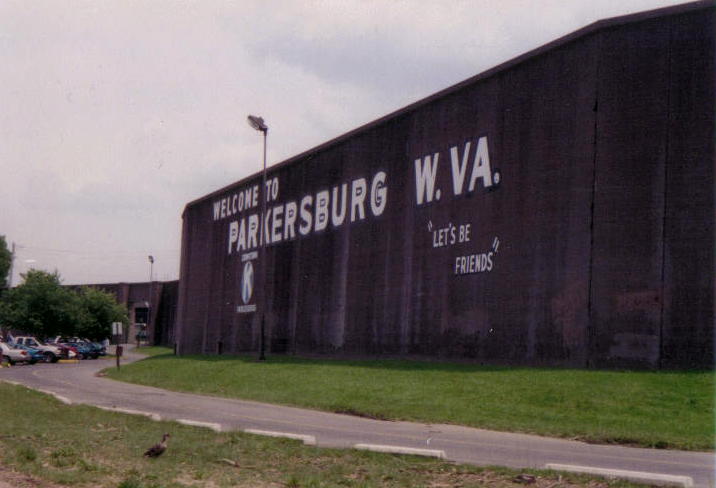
point(78, 383)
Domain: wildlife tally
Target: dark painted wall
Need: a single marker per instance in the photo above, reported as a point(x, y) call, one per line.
point(586, 188)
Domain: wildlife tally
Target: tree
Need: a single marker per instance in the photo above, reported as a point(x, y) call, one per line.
point(5, 262)
point(99, 310)
point(41, 306)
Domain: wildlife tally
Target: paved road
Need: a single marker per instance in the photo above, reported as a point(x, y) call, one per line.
point(78, 383)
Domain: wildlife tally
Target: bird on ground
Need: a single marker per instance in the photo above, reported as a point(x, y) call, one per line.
point(158, 449)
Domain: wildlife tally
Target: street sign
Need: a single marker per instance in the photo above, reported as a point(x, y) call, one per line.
point(116, 328)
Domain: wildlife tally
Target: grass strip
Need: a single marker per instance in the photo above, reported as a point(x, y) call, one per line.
point(151, 351)
point(664, 409)
point(82, 446)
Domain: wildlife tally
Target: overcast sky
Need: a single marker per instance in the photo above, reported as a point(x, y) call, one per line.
point(115, 114)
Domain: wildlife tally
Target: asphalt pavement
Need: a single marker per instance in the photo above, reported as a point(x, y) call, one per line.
point(78, 383)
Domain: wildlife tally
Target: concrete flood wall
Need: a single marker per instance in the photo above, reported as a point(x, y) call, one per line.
point(557, 209)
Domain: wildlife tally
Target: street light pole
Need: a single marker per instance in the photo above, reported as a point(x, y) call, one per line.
point(259, 124)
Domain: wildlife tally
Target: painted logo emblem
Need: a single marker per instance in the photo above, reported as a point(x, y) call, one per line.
point(247, 282)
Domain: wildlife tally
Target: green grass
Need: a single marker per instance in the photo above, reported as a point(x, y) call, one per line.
point(654, 409)
point(81, 446)
point(154, 351)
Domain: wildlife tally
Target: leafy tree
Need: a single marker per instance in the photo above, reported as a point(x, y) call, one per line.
point(41, 306)
point(5, 261)
point(99, 310)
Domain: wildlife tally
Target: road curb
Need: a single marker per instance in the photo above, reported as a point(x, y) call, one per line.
point(198, 423)
point(640, 476)
point(154, 416)
point(401, 450)
point(309, 440)
point(63, 399)
point(59, 398)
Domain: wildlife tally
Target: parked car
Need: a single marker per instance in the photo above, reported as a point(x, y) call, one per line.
point(52, 353)
point(12, 355)
point(82, 349)
point(66, 352)
point(35, 354)
point(101, 350)
point(93, 351)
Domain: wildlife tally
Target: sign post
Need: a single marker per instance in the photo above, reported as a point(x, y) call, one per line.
point(119, 354)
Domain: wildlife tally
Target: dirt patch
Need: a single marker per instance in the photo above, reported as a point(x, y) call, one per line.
point(12, 479)
point(491, 478)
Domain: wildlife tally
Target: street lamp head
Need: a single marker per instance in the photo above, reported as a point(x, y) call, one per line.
point(257, 123)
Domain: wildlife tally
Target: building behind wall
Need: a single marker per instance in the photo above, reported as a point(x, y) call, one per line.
point(151, 307)
point(557, 209)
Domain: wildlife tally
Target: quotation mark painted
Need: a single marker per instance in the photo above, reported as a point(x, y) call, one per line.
point(495, 245)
